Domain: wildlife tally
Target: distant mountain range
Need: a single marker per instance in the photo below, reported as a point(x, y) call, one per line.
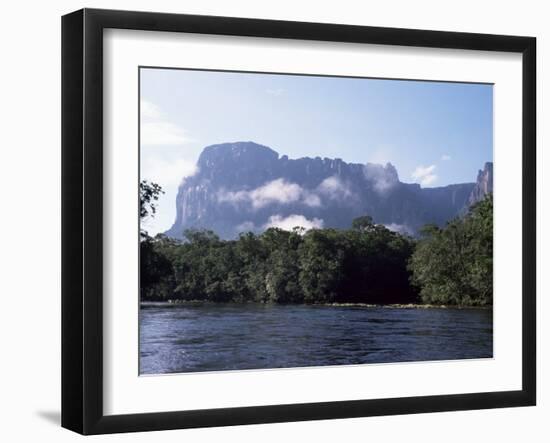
point(245, 186)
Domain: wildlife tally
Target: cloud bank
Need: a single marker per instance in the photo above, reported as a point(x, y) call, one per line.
point(292, 221)
point(425, 175)
point(165, 172)
point(383, 178)
point(334, 188)
point(400, 229)
point(149, 110)
point(277, 191)
point(155, 130)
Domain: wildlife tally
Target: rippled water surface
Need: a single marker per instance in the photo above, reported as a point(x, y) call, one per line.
point(216, 337)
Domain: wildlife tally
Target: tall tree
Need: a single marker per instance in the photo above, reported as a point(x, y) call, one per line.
point(149, 193)
point(155, 267)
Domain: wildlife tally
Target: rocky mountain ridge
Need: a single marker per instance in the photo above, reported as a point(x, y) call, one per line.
point(245, 186)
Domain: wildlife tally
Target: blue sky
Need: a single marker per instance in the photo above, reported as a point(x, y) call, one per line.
point(435, 133)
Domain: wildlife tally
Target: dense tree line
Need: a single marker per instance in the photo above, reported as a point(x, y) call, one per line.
point(454, 265)
point(367, 263)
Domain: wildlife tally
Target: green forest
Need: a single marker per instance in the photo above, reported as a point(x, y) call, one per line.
point(366, 263)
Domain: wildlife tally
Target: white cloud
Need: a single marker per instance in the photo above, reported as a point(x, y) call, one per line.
point(334, 188)
point(149, 110)
point(167, 173)
point(162, 133)
point(383, 178)
point(276, 92)
point(401, 229)
point(155, 130)
point(310, 199)
point(276, 191)
point(234, 197)
point(424, 175)
point(445, 157)
point(292, 221)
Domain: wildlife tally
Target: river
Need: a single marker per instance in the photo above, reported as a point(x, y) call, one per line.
point(216, 337)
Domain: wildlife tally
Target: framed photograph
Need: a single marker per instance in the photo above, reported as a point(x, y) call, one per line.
point(269, 221)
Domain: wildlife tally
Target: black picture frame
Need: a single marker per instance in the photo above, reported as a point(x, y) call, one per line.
point(82, 218)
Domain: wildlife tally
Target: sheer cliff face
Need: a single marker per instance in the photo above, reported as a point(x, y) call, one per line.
point(484, 184)
point(248, 187)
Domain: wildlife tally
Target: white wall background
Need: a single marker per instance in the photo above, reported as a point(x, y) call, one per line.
point(30, 220)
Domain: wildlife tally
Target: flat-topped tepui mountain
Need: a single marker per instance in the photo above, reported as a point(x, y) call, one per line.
point(245, 186)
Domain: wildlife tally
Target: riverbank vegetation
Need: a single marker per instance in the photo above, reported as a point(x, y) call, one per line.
point(366, 263)
point(454, 265)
